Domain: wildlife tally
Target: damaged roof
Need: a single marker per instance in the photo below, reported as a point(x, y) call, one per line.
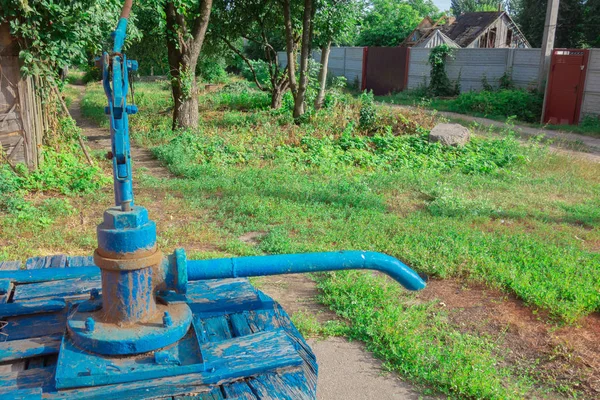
point(469, 26)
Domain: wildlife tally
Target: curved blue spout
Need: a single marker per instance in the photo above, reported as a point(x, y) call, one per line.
point(299, 263)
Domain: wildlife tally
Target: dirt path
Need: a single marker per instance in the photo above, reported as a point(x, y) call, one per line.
point(346, 369)
point(581, 146)
point(99, 139)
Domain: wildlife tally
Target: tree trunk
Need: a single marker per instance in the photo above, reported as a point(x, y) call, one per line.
point(185, 112)
point(276, 98)
point(290, 46)
point(183, 49)
point(325, 50)
point(304, 54)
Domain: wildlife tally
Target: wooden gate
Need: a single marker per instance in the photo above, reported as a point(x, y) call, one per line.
point(565, 86)
point(385, 69)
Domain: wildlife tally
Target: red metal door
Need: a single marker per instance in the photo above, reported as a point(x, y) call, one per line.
point(565, 86)
point(385, 69)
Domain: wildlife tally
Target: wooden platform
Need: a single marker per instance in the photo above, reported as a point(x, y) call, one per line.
point(241, 328)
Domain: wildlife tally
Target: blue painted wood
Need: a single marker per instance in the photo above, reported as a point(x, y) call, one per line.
point(239, 390)
point(26, 394)
point(31, 307)
point(227, 311)
point(10, 265)
point(57, 289)
point(35, 362)
point(80, 261)
point(216, 329)
point(6, 287)
point(226, 359)
point(57, 261)
point(48, 275)
point(214, 394)
point(30, 347)
point(38, 378)
point(32, 326)
point(221, 296)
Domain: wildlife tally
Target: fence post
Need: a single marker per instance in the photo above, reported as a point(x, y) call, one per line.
point(510, 60)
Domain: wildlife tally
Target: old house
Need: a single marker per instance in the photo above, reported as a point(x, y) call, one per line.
point(492, 29)
point(22, 120)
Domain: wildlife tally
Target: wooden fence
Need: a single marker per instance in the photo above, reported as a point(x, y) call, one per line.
point(22, 119)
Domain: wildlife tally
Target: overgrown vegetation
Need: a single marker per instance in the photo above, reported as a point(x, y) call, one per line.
point(439, 83)
point(62, 171)
point(522, 105)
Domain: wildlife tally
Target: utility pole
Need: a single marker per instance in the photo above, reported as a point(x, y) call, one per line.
point(548, 42)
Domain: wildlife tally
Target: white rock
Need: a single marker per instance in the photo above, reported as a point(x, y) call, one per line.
point(450, 134)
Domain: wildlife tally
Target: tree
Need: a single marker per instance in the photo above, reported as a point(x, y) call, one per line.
point(257, 21)
point(462, 6)
point(388, 23)
point(299, 88)
point(335, 21)
point(571, 26)
point(54, 34)
point(186, 25)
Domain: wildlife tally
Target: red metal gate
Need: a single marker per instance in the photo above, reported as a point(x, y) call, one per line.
point(385, 69)
point(565, 86)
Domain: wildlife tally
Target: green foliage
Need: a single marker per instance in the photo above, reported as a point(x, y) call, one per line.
point(56, 33)
point(412, 337)
point(463, 6)
point(336, 22)
point(368, 113)
point(577, 22)
point(390, 152)
point(439, 84)
point(212, 69)
point(61, 171)
point(487, 87)
point(388, 23)
point(590, 123)
point(309, 326)
point(524, 105)
point(506, 81)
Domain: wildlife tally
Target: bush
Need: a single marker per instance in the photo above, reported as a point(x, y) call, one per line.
point(524, 105)
point(368, 113)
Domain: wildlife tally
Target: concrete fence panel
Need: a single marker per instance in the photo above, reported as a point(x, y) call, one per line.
point(525, 67)
point(472, 65)
point(343, 61)
point(591, 91)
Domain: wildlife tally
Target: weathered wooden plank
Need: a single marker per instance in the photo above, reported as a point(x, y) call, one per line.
point(57, 289)
point(26, 394)
point(80, 261)
point(214, 394)
point(239, 390)
point(294, 386)
point(39, 378)
point(31, 347)
point(226, 360)
point(58, 261)
point(31, 307)
point(9, 265)
point(239, 324)
point(216, 329)
point(47, 274)
point(221, 296)
point(35, 362)
point(29, 326)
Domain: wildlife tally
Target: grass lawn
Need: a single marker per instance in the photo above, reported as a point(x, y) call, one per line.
point(355, 176)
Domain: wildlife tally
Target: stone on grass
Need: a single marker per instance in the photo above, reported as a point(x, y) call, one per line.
point(450, 135)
